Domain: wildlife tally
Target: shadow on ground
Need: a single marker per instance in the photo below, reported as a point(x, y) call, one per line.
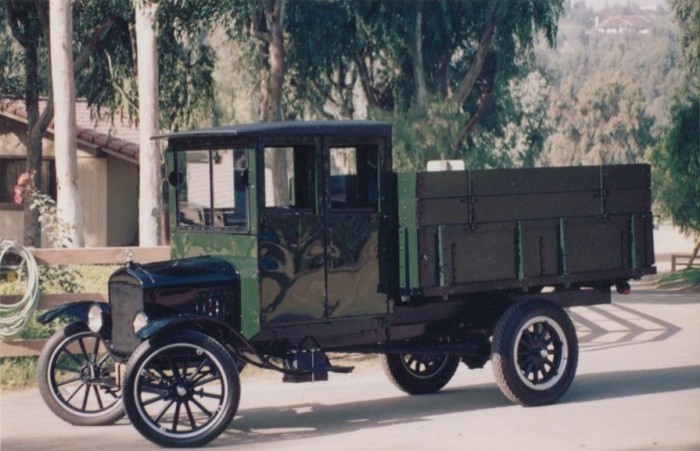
point(317, 419)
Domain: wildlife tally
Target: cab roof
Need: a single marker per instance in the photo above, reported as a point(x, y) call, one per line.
point(282, 129)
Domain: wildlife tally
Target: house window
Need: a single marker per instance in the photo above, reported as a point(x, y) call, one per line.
point(12, 168)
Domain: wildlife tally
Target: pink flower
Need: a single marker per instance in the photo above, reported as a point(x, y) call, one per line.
point(18, 195)
point(24, 182)
point(23, 179)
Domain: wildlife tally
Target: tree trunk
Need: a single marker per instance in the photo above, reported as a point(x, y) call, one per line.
point(149, 151)
point(418, 65)
point(69, 199)
point(271, 82)
point(694, 255)
point(32, 227)
point(274, 38)
point(472, 74)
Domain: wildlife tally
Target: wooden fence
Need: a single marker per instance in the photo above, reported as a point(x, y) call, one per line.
point(86, 256)
point(681, 261)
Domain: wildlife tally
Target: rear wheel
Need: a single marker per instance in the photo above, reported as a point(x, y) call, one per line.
point(419, 374)
point(77, 378)
point(534, 353)
point(181, 390)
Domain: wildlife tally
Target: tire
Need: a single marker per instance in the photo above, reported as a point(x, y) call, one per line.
point(534, 353)
point(181, 390)
point(419, 374)
point(77, 378)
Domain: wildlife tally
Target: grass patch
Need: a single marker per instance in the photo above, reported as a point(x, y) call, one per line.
point(18, 373)
point(688, 278)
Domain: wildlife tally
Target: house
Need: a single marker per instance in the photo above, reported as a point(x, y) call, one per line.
point(107, 173)
point(624, 24)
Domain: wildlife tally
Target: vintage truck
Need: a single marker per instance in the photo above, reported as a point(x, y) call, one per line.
point(291, 240)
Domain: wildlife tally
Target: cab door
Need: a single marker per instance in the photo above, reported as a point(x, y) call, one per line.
point(292, 262)
point(352, 204)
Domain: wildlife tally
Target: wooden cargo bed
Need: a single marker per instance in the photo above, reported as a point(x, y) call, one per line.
point(524, 228)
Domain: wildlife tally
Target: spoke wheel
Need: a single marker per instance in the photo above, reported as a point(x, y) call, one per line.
point(534, 353)
point(77, 378)
point(181, 390)
point(419, 374)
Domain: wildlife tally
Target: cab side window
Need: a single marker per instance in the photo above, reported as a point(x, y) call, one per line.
point(354, 177)
point(290, 177)
point(212, 189)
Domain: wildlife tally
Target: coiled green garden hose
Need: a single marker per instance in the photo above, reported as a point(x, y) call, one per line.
point(14, 316)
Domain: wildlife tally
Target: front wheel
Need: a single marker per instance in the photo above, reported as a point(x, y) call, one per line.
point(534, 353)
point(418, 374)
point(77, 378)
point(181, 390)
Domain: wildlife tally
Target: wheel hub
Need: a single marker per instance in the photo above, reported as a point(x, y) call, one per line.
point(90, 372)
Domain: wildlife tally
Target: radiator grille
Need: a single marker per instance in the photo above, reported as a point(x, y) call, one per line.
point(126, 299)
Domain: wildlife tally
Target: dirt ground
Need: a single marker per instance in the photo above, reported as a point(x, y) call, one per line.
point(637, 387)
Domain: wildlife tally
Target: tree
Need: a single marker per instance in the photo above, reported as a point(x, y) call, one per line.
point(261, 25)
point(105, 67)
point(407, 56)
point(676, 157)
point(687, 14)
point(150, 179)
point(676, 168)
point(11, 84)
point(29, 24)
point(63, 82)
point(603, 122)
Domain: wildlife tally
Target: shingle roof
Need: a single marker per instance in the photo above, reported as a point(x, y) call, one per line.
point(115, 135)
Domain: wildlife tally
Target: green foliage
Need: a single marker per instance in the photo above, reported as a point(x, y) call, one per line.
point(421, 135)
point(603, 122)
point(520, 141)
point(686, 278)
point(11, 81)
point(108, 79)
point(687, 14)
point(676, 165)
point(611, 94)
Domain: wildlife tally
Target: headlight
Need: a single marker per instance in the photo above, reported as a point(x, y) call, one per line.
point(140, 320)
point(95, 320)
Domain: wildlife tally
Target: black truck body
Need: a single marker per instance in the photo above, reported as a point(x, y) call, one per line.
point(290, 240)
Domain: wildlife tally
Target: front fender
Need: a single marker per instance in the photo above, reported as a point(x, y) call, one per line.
point(78, 310)
point(242, 348)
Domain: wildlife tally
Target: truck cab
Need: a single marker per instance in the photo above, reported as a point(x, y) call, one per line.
point(302, 210)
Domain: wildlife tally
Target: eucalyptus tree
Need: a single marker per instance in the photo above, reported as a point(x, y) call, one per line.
point(260, 25)
point(676, 168)
point(104, 46)
point(687, 14)
point(68, 196)
point(676, 156)
point(440, 62)
point(29, 25)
